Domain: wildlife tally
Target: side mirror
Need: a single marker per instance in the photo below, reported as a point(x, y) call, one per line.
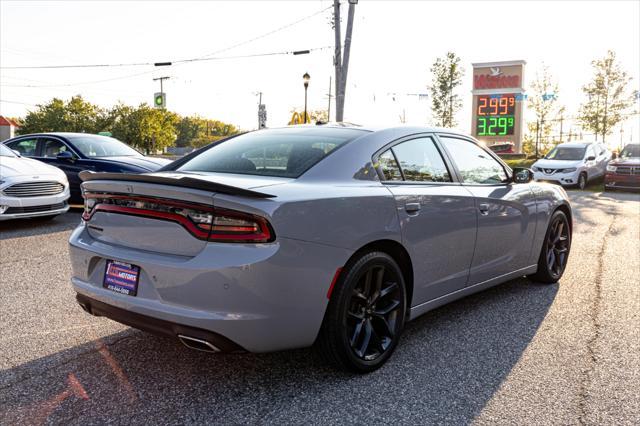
point(591, 158)
point(614, 155)
point(65, 155)
point(16, 153)
point(522, 175)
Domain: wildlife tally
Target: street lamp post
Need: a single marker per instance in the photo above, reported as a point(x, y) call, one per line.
point(305, 78)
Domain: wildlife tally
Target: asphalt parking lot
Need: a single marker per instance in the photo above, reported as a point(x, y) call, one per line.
point(521, 353)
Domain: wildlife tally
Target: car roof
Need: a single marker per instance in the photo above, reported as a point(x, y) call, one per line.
point(63, 134)
point(375, 128)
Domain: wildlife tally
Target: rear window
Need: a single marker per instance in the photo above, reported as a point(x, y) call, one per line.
point(279, 152)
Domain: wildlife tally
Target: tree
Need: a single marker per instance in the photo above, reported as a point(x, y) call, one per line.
point(445, 102)
point(607, 96)
point(146, 128)
point(191, 130)
point(543, 102)
point(75, 115)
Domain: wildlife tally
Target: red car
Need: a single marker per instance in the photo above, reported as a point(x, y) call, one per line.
point(503, 148)
point(624, 171)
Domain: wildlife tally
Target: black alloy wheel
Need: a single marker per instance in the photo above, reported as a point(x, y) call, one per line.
point(366, 314)
point(373, 312)
point(555, 249)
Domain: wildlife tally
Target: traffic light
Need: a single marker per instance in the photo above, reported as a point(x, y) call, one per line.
point(160, 100)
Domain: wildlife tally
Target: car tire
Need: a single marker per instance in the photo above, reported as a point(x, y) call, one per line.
point(582, 181)
point(555, 250)
point(366, 314)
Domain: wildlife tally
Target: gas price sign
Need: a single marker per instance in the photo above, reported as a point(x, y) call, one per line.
point(498, 104)
point(495, 115)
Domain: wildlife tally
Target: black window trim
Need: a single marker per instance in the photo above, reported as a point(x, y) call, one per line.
point(508, 171)
point(389, 147)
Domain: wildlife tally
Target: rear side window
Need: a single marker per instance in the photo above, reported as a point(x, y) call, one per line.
point(475, 164)
point(389, 166)
point(279, 152)
point(420, 161)
point(26, 147)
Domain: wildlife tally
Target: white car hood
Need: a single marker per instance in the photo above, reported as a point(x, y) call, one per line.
point(20, 166)
point(557, 164)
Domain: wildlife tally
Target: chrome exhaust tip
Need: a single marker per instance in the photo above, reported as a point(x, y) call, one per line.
point(85, 307)
point(197, 344)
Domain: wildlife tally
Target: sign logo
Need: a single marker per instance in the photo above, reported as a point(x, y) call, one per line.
point(495, 80)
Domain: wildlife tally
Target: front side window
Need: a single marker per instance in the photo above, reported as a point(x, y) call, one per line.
point(26, 147)
point(420, 161)
point(52, 147)
point(476, 166)
point(278, 152)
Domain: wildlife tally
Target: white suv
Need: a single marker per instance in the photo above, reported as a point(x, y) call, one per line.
point(573, 163)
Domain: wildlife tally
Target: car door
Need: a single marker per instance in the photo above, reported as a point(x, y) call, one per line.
point(437, 215)
point(49, 150)
point(591, 165)
point(506, 210)
point(602, 158)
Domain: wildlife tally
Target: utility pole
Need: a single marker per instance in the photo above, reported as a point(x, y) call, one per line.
point(342, 63)
point(329, 96)
point(161, 80)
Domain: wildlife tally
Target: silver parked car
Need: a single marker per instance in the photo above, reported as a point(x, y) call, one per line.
point(573, 164)
point(334, 235)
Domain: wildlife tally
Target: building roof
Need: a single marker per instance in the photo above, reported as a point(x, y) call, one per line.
point(7, 122)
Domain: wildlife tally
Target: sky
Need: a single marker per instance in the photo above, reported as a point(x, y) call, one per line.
point(394, 45)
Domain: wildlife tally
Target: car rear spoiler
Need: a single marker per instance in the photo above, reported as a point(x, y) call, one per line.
point(182, 181)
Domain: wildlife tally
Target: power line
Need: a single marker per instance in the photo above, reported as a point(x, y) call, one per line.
point(179, 62)
point(268, 33)
point(200, 58)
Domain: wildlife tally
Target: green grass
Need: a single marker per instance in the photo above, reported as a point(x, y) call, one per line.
point(520, 162)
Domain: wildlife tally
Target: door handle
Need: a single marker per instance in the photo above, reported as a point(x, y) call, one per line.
point(484, 209)
point(412, 207)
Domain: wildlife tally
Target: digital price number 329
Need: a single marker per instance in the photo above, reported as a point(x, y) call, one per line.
point(495, 115)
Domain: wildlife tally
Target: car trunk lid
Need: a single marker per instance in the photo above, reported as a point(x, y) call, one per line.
point(170, 213)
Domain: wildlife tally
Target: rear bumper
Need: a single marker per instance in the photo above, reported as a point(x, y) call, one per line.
point(155, 325)
point(261, 297)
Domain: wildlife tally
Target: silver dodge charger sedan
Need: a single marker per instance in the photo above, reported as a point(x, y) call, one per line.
point(331, 235)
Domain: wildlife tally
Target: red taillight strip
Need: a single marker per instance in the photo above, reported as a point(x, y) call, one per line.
point(264, 235)
point(173, 217)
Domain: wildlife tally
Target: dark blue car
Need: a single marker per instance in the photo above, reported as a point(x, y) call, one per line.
point(75, 152)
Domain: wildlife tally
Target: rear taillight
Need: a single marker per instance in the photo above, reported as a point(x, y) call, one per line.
point(229, 225)
point(203, 222)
